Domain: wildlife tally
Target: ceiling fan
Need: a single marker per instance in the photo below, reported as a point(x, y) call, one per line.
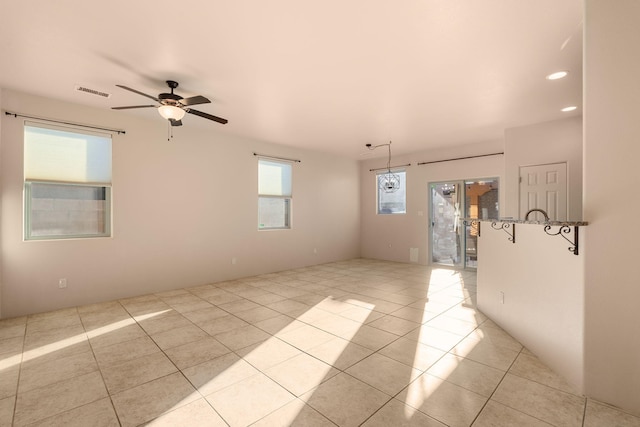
point(173, 107)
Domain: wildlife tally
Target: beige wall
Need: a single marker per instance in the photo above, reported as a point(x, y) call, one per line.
point(1, 258)
point(390, 237)
point(611, 152)
point(181, 211)
point(555, 141)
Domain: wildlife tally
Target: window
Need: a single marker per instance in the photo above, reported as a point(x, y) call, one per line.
point(392, 202)
point(67, 183)
point(274, 195)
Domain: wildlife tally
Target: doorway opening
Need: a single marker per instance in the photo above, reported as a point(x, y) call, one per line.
point(452, 243)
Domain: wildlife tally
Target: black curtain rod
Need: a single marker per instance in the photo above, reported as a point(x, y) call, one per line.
point(392, 167)
point(461, 158)
point(118, 131)
point(277, 158)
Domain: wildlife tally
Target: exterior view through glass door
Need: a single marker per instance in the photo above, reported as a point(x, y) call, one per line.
point(453, 243)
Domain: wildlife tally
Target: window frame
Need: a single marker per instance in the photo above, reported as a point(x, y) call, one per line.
point(29, 182)
point(379, 191)
point(28, 204)
point(287, 213)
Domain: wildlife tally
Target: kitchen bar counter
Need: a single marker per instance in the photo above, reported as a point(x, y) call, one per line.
point(522, 221)
point(531, 283)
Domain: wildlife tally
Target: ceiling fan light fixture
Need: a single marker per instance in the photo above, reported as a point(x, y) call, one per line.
point(171, 112)
point(173, 107)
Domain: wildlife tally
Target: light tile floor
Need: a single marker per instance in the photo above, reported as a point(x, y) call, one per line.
point(351, 343)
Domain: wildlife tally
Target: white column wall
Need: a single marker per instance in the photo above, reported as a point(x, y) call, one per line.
point(611, 153)
point(1, 258)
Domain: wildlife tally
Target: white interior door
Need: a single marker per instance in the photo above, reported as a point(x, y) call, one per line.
point(544, 187)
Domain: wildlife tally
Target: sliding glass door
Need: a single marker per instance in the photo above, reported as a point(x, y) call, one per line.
point(453, 243)
point(446, 211)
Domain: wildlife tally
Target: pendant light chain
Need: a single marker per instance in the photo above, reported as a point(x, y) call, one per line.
point(388, 182)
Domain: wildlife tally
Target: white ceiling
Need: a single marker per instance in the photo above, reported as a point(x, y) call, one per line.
point(327, 75)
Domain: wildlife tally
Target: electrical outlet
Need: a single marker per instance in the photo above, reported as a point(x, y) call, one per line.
point(315, 250)
point(501, 297)
point(234, 260)
point(62, 283)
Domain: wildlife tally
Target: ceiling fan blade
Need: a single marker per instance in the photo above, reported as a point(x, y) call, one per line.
point(207, 116)
point(138, 92)
point(194, 100)
point(175, 122)
point(133, 106)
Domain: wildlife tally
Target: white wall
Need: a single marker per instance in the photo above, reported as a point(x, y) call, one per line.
point(612, 150)
point(1, 260)
point(543, 143)
point(543, 287)
point(181, 211)
point(390, 237)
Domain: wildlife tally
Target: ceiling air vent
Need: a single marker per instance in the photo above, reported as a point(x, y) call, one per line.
point(92, 91)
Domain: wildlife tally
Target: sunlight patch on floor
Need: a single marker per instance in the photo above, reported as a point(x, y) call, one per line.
point(142, 317)
point(283, 365)
point(46, 349)
point(444, 284)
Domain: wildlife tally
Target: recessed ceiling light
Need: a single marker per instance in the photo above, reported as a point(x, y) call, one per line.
point(557, 75)
point(567, 109)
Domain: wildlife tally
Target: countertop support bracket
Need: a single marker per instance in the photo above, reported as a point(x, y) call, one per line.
point(562, 231)
point(505, 226)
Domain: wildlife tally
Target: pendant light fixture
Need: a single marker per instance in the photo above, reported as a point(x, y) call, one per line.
point(388, 182)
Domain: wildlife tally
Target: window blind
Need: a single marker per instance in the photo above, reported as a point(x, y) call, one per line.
point(274, 178)
point(62, 155)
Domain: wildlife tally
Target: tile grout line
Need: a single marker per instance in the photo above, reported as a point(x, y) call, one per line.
point(496, 388)
point(98, 366)
point(339, 370)
point(425, 371)
point(287, 298)
point(24, 340)
point(527, 379)
point(161, 350)
point(236, 351)
point(61, 380)
point(271, 336)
